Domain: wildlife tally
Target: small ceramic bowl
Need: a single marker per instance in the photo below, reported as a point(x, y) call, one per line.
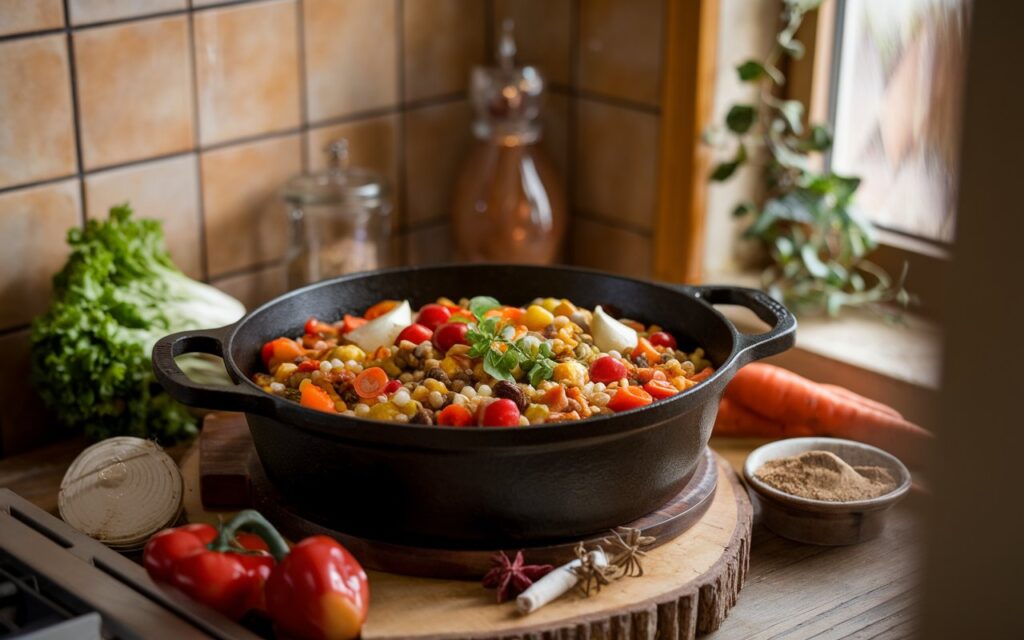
point(821, 521)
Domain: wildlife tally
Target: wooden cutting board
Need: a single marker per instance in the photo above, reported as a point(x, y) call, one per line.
point(690, 583)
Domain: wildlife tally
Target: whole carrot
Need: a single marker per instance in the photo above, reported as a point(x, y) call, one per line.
point(738, 421)
point(785, 398)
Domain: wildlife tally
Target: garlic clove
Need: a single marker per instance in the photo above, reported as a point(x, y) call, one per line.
point(611, 335)
point(382, 330)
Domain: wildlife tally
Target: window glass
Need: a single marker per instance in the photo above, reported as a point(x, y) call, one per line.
point(898, 91)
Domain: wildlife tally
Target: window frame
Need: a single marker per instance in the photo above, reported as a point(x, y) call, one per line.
point(811, 80)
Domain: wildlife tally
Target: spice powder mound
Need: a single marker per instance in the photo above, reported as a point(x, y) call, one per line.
point(822, 475)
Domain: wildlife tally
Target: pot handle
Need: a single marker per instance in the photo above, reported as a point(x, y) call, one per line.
point(780, 337)
point(237, 397)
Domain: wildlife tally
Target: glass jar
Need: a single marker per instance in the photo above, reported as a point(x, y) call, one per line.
point(339, 221)
point(509, 202)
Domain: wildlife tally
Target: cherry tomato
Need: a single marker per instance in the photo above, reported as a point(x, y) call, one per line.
point(660, 389)
point(501, 413)
point(380, 309)
point(307, 366)
point(433, 316)
point(607, 369)
point(392, 386)
point(450, 334)
point(415, 333)
point(662, 339)
point(455, 415)
point(629, 397)
point(317, 328)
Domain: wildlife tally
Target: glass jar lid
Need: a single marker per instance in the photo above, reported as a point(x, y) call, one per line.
point(507, 98)
point(338, 183)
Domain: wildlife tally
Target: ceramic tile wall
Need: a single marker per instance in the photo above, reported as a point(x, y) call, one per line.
point(602, 60)
point(196, 111)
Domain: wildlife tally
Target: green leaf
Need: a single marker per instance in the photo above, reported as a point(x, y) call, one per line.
point(723, 171)
point(541, 371)
point(492, 365)
point(752, 70)
point(793, 113)
point(742, 209)
point(819, 139)
point(813, 262)
point(740, 118)
point(480, 305)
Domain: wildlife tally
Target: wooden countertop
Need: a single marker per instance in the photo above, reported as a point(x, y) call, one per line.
point(792, 590)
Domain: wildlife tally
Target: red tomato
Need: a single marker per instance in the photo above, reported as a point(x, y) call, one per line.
point(433, 316)
point(351, 322)
point(392, 386)
point(307, 366)
point(450, 334)
point(662, 339)
point(455, 415)
point(629, 397)
point(660, 389)
point(607, 369)
point(315, 327)
point(415, 333)
point(501, 413)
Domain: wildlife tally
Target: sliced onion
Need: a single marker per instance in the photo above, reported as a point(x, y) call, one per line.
point(121, 491)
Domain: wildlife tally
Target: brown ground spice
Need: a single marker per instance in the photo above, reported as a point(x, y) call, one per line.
point(822, 475)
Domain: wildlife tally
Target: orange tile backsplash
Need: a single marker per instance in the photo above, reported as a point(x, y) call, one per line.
point(247, 59)
point(37, 139)
point(197, 112)
point(135, 97)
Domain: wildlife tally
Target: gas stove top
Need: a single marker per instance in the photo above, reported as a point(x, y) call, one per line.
point(58, 584)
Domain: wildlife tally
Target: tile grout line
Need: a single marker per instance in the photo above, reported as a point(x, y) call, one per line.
point(571, 134)
point(204, 259)
point(401, 250)
point(591, 216)
point(9, 331)
point(603, 98)
point(300, 46)
point(247, 270)
point(75, 114)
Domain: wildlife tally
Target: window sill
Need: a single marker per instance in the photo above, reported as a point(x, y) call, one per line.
point(898, 364)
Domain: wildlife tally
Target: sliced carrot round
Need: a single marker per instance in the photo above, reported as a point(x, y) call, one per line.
point(380, 309)
point(660, 389)
point(370, 382)
point(629, 397)
point(316, 398)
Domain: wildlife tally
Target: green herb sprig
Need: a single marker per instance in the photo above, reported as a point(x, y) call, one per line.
point(486, 336)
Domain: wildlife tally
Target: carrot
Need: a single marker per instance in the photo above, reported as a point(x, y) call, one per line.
point(645, 348)
point(789, 399)
point(380, 309)
point(843, 392)
point(703, 374)
point(738, 421)
point(316, 398)
point(370, 382)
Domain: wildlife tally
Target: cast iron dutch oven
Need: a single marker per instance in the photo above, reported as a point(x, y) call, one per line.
point(479, 487)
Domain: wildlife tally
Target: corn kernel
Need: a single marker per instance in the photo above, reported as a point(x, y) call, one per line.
point(284, 371)
point(570, 373)
point(537, 317)
point(449, 366)
point(435, 385)
point(349, 352)
point(537, 413)
point(564, 308)
point(420, 393)
point(550, 303)
point(383, 411)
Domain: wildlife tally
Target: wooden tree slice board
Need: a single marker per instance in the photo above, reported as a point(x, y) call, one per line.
point(231, 476)
point(688, 588)
point(690, 584)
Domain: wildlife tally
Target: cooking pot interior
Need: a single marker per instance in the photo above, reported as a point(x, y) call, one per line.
point(689, 320)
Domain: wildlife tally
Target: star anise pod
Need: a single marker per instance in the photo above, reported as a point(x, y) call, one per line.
point(627, 547)
point(512, 577)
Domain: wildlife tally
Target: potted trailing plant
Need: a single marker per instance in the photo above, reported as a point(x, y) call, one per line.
point(807, 221)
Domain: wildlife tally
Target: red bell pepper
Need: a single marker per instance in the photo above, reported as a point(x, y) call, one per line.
point(225, 570)
point(318, 592)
